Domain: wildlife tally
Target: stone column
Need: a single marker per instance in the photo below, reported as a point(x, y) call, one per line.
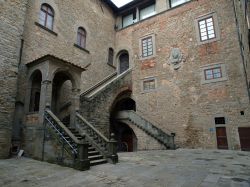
point(45, 100)
point(75, 100)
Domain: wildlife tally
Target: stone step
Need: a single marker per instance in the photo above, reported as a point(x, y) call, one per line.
point(97, 162)
point(91, 149)
point(92, 153)
point(95, 157)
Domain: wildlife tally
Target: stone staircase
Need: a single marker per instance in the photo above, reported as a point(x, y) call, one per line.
point(85, 148)
point(91, 92)
point(94, 156)
point(130, 116)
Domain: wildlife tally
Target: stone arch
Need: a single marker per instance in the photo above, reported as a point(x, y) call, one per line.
point(35, 82)
point(124, 133)
point(62, 86)
point(75, 82)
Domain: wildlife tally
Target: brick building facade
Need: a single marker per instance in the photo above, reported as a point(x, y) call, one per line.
point(182, 66)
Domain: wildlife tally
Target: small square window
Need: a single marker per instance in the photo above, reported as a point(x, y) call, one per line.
point(213, 73)
point(219, 120)
point(149, 84)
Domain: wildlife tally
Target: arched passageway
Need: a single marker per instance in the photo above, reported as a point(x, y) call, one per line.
point(35, 91)
point(125, 136)
point(62, 96)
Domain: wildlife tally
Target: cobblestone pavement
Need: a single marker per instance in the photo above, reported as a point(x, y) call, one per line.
point(179, 168)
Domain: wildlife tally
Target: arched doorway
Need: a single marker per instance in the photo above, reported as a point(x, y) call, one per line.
point(62, 95)
point(123, 61)
point(35, 91)
point(125, 136)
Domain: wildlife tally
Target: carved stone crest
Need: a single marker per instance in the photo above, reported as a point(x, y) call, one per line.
point(175, 59)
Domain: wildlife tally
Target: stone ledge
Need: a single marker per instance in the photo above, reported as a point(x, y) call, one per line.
point(45, 28)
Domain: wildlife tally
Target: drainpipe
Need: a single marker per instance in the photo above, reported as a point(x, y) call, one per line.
point(241, 51)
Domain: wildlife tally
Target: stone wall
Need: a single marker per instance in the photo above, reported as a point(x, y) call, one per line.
point(12, 14)
point(97, 110)
point(181, 102)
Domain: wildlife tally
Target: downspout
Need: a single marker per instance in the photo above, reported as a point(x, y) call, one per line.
point(241, 51)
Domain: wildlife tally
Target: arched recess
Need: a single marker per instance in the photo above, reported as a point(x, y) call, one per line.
point(35, 91)
point(62, 95)
point(125, 136)
point(123, 61)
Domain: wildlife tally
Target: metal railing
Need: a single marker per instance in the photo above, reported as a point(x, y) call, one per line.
point(76, 148)
point(108, 148)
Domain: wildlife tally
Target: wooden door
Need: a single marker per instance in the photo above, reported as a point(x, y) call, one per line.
point(244, 133)
point(221, 138)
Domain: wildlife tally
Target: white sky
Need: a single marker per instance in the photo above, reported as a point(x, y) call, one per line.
point(120, 3)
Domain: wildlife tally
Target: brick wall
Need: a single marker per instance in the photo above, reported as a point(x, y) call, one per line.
point(181, 103)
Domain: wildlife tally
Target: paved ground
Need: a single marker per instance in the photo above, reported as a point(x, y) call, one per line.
point(180, 168)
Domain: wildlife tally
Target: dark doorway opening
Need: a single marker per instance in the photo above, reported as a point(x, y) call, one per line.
point(244, 133)
point(125, 136)
point(123, 62)
point(36, 79)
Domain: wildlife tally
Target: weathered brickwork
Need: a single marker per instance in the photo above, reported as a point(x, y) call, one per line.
point(12, 15)
point(180, 103)
point(183, 101)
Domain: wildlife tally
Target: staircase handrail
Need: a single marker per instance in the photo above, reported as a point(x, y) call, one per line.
point(77, 148)
point(143, 118)
point(62, 126)
point(148, 127)
point(98, 84)
point(107, 147)
point(104, 85)
point(92, 127)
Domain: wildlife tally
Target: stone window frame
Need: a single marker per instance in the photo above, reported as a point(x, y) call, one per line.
point(224, 76)
point(140, 46)
point(49, 12)
point(216, 28)
point(213, 73)
point(81, 37)
point(153, 78)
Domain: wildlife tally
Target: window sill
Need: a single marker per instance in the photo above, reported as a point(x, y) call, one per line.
point(81, 48)
point(45, 28)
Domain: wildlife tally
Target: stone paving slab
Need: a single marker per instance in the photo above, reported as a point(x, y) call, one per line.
point(179, 168)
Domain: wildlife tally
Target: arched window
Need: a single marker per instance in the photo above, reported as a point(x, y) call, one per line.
point(81, 37)
point(46, 17)
point(111, 56)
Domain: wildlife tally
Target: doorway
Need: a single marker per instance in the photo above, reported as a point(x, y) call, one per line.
point(244, 133)
point(221, 138)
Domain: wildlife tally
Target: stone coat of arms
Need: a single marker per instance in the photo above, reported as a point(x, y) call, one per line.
point(176, 58)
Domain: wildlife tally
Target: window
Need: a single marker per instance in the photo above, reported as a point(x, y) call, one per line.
point(147, 46)
point(149, 84)
point(81, 37)
point(46, 17)
point(147, 12)
point(129, 19)
point(111, 56)
point(174, 3)
point(206, 28)
point(213, 73)
point(219, 120)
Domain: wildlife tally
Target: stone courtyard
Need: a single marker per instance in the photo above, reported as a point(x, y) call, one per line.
point(179, 168)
